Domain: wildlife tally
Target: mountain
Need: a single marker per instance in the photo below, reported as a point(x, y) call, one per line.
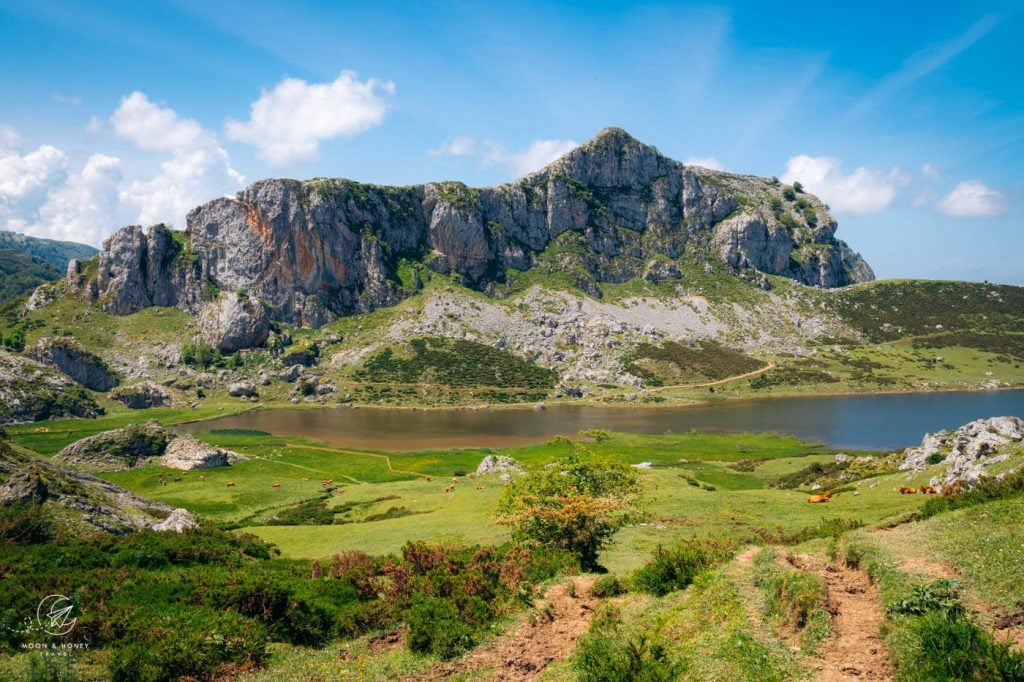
point(26, 262)
point(610, 211)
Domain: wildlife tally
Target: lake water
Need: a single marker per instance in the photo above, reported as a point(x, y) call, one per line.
point(871, 422)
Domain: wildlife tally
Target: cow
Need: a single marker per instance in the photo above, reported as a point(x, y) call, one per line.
point(202, 477)
point(231, 484)
point(449, 489)
point(819, 499)
point(479, 487)
point(927, 490)
point(907, 490)
point(276, 485)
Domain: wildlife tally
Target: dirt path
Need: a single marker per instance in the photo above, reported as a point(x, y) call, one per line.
point(770, 365)
point(854, 650)
point(524, 652)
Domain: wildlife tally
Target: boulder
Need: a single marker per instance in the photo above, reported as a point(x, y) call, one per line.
point(178, 520)
point(186, 452)
point(291, 374)
point(118, 449)
point(234, 322)
point(492, 464)
point(242, 389)
point(141, 396)
point(71, 358)
point(966, 451)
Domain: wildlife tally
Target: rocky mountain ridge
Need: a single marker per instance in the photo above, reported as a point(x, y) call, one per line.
point(612, 210)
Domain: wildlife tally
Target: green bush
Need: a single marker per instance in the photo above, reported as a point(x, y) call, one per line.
point(437, 627)
point(608, 586)
point(675, 568)
point(957, 649)
point(197, 642)
point(942, 596)
point(986, 490)
point(24, 524)
point(607, 654)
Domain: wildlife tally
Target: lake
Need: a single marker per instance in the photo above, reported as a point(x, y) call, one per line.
point(869, 422)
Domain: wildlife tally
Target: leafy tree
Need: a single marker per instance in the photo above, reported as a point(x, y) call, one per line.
point(576, 503)
point(797, 187)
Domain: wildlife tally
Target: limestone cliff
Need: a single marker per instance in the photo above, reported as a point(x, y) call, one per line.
point(323, 248)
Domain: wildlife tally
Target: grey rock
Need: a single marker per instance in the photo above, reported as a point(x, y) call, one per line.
point(966, 451)
point(118, 449)
point(186, 452)
point(291, 374)
point(178, 521)
point(496, 464)
point(324, 248)
point(242, 389)
point(71, 358)
point(30, 391)
point(233, 322)
point(141, 396)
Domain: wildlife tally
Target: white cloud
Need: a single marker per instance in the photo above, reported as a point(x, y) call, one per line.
point(94, 126)
point(706, 162)
point(198, 170)
point(539, 154)
point(973, 199)
point(930, 171)
point(862, 191)
point(288, 123)
point(457, 146)
point(86, 208)
point(22, 176)
point(155, 128)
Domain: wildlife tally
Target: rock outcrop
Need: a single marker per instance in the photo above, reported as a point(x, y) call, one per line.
point(139, 444)
point(605, 212)
point(186, 452)
point(142, 396)
point(30, 391)
point(68, 355)
point(233, 322)
point(79, 502)
point(117, 450)
point(498, 464)
point(967, 451)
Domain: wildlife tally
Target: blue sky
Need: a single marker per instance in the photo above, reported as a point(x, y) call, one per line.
point(908, 118)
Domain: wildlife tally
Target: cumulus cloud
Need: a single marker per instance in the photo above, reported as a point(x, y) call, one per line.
point(706, 162)
point(85, 208)
point(539, 154)
point(287, 124)
point(198, 170)
point(929, 171)
point(862, 191)
point(973, 199)
point(457, 146)
point(22, 176)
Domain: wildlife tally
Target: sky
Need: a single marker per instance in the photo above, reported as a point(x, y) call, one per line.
point(907, 118)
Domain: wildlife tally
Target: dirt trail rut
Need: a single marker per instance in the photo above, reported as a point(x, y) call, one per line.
point(522, 653)
point(854, 651)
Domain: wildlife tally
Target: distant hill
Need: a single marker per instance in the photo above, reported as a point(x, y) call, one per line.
point(27, 262)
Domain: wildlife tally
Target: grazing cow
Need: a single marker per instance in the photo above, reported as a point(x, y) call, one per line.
point(479, 487)
point(276, 485)
point(819, 499)
point(429, 479)
point(455, 479)
point(907, 490)
point(927, 490)
point(231, 484)
point(449, 489)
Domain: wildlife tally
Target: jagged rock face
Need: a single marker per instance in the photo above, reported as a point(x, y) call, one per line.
point(233, 322)
point(324, 248)
point(77, 501)
point(70, 357)
point(142, 396)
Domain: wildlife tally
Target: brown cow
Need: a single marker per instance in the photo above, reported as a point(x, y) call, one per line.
point(479, 487)
point(231, 484)
point(927, 490)
point(202, 477)
point(907, 490)
point(819, 499)
point(276, 485)
point(449, 489)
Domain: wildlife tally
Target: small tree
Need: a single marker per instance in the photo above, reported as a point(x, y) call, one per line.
point(576, 503)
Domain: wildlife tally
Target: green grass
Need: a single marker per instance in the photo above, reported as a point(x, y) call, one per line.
point(676, 363)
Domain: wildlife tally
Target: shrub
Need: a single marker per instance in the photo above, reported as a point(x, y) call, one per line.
point(796, 597)
point(675, 568)
point(436, 627)
point(957, 649)
point(197, 642)
point(607, 654)
point(986, 490)
point(608, 586)
point(941, 596)
point(936, 458)
point(789, 193)
point(24, 524)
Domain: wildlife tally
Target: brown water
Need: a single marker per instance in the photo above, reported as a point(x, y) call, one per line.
point(873, 422)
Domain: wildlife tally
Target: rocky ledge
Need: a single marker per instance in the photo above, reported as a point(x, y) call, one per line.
point(140, 444)
point(967, 451)
point(611, 210)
